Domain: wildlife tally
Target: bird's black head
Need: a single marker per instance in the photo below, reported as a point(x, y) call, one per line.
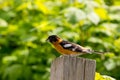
point(53, 38)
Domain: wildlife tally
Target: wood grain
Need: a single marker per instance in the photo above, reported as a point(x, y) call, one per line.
point(72, 68)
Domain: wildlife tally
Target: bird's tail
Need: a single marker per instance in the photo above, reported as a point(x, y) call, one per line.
point(90, 51)
point(98, 52)
point(101, 54)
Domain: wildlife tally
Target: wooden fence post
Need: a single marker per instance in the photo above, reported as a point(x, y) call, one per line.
point(72, 68)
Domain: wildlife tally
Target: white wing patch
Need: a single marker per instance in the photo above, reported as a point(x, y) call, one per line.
point(67, 45)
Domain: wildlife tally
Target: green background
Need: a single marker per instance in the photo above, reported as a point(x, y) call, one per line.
point(25, 25)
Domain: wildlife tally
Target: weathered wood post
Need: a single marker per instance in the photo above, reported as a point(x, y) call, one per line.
point(72, 68)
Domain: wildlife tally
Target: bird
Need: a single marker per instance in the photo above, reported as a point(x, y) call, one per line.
point(69, 48)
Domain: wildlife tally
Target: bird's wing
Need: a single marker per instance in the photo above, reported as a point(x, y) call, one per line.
point(71, 46)
point(77, 48)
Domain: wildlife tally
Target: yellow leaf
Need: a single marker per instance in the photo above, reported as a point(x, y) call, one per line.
point(8, 59)
point(117, 43)
point(79, 5)
point(99, 1)
point(43, 26)
point(102, 13)
point(4, 4)
point(40, 6)
point(98, 76)
point(81, 22)
point(23, 6)
point(117, 2)
point(40, 25)
point(12, 28)
point(110, 55)
point(64, 1)
point(30, 44)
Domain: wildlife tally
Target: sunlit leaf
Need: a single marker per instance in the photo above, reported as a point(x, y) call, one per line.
point(12, 28)
point(110, 64)
point(117, 43)
point(99, 1)
point(117, 2)
point(9, 59)
point(24, 6)
point(74, 15)
point(95, 40)
point(4, 4)
point(98, 76)
point(3, 23)
point(26, 24)
point(108, 77)
point(40, 6)
point(64, 1)
point(102, 13)
point(43, 26)
point(110, 55)
point(93, 17)
point(30, 44)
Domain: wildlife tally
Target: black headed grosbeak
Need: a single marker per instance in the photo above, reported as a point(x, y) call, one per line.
point(68, 48)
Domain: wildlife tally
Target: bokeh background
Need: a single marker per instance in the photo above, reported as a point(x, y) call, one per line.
point(25, 25)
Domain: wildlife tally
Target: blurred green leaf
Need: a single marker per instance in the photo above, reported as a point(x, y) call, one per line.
point(26, 24)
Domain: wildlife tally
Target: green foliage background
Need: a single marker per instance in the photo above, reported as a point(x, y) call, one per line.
point(25, 25)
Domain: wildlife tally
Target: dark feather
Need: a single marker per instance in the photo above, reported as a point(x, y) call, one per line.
point(73, 47)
